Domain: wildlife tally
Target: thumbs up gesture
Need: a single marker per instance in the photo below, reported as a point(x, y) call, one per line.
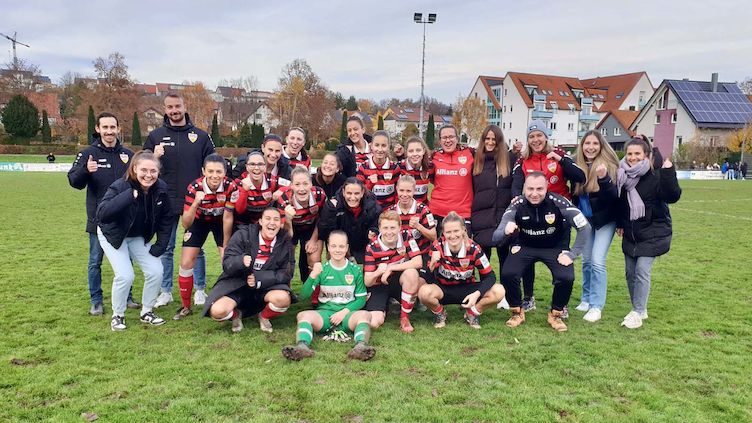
point(91, 164)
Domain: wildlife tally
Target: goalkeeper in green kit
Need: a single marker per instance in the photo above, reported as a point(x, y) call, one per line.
point(342, 294)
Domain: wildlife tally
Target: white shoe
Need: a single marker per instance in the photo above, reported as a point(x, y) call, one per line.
point(644, 315)
point(163, 299)
point(592, 315)
point(503, 304)
point(632, 320)
point(199, 298)
point(583, 306)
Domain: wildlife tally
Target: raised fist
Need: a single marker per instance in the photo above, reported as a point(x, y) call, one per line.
point(510, 228)
point(200, 195)
point(601, 170)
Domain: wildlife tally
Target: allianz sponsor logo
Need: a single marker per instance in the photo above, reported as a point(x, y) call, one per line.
point(454, 274)
point(447, 172)
point(336, 294)
point(540, 232)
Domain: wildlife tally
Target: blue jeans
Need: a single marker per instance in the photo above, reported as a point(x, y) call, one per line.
point(96, 254)
point(638, 270)
point(594, 265)
point(199, 270)
point(135, 249)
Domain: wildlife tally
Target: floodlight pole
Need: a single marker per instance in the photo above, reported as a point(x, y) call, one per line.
point(418, 18)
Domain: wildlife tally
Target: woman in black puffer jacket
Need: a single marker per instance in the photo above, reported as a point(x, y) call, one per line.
point(492, 183)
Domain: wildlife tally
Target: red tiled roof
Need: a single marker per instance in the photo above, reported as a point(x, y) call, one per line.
point(489, 91)
point(613, 85)
point(147, 88)
point(625, 118)
point(555, 84)
point(46, 101)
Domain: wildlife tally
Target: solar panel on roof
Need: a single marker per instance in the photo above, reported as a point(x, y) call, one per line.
point(728, 105)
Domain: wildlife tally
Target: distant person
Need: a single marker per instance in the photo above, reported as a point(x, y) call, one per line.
point(96, 167)
point(725, 167)
point(644, 221)
point(51, 158)
point(743, 170)
point(181, 149)
point(132, 211)
point(398, 151)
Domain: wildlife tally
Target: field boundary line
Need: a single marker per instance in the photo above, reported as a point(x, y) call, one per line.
point(717, 201)
point(748, 219)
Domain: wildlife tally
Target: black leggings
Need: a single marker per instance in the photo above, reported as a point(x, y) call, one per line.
point(303, 236)
point(517, 263)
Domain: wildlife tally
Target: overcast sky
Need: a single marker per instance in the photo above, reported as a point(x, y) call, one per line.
point(373, 49)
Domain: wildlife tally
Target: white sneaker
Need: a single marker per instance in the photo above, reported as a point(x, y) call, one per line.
point(199, 298)
point(632, 320)
point(592, 315)
point(163, 299)
point(644, 315)
point(583, 306)
point(503, 304)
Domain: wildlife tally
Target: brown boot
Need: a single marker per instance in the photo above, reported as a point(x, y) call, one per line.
point(554, 319)
point(518, 317)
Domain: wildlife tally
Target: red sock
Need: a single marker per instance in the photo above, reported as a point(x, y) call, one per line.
point(473, 311)
point(186, 289)
point(234, 314)
point(438, 310)
point(407, 302)
point(270, 311)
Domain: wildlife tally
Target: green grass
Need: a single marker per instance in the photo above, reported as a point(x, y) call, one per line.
point(34, 158)
point(689, 362)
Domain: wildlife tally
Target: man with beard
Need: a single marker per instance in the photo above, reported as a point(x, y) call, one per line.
point(181, 148)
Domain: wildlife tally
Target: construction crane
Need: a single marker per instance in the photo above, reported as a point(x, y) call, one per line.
point(15, 41)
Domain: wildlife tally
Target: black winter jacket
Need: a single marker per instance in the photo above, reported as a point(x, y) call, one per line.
point(283, 167)
point(111, 166)
point(346, 156)
point(331, 189)
point(117, 210)
point(186, 147)
point(604, 203)
point(492, 197)
point(650, 235)
point(277, 270)
point(340, 217)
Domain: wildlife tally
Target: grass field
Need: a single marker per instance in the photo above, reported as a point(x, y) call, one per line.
point(689, 362)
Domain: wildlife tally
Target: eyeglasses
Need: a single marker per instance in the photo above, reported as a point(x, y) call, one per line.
point(448, 137)
point(256, 164)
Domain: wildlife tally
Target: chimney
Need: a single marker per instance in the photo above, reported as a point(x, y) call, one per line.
point(714, 82)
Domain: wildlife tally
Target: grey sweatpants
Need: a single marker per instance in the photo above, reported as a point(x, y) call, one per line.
point(638, 280)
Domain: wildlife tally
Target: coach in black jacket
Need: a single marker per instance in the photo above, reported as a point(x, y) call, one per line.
point(181, 148)
point(96, 168)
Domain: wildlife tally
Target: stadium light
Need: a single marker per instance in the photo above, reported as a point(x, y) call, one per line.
point(418, 18)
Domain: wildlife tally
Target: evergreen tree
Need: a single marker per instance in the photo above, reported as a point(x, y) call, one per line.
point(216, 137)
point(463, 141)
point(46, 131)
point(21, 117)
point(257, 135)
point(352, 104)
point(380, 124)
point(136, 131)
point(343, 128)
point(245, 138)
point(92, 124)
point(430, 132)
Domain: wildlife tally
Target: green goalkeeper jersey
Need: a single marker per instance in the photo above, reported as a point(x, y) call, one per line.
point(340, 287)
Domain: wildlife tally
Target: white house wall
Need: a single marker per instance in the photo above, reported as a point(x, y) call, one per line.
point(633, 97)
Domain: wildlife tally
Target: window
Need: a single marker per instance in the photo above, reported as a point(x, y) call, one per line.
point(504, 125)
point(510, 125)
point(258, 115)
point(505, 109)
point(713, 141)
point(151, 115)
point(679, 139)
point(511, 106)
point(604, 131)
point(552, 125)
point(571, 108)
point(505, 92)
point(617, 131)
point(673, 118)
point(657, 119)
point(642, 96)
point(476, 95)
point(570, 127)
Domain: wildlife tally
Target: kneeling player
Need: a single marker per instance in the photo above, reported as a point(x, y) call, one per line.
point(391, 270)
point(341, 295)
point(450, 276)
point(202, 214)
point(257, 268)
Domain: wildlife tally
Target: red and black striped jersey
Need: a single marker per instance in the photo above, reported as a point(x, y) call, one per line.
point(212, 207)
point(306, 216)
point(248, 205)
point(377, 252)
point(422, 179)
point(419, 210)
point(361, 157)
point(302, 159)
point(264, 252)
point(381, 180)
point(455, 269)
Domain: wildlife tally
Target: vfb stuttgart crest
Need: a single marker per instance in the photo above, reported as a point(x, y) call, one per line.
point(550, 218)
point(124, 157)
point(387, 176)
point(516, 249)
point(462, 159)
point(192, 136)
point(349, 278)
point(221, 198)
point(551, 167)
point(464, 262)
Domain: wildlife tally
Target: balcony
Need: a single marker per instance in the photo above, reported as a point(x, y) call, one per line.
point(542, 114)
point(589, 118)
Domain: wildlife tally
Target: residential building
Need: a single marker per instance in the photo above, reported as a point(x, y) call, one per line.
point(615, 127)
point(488, 89)
point(682, 110)
point(261, 114)
point(396, 121)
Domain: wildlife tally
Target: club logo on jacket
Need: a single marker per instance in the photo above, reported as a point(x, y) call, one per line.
point(186, 236)
point(124, 157)
point(551, 167)
point(550, 218)
point(221, 198)
point(554, 179)
point(349, 278)
point(515, 249)
point(462, 159)
point(387, 176)
point(192, 136)
point(464, 262)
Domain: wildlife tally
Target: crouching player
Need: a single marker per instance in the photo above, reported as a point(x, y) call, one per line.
point(256, 271)
point(341, 295)
point(202, 214)
point(391, 270)
point(450, 277)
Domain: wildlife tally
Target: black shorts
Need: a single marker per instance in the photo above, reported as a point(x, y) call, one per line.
point(251, 301)
point(378, 295)
point(455, 294)
point(196, 235)
point(302, 234)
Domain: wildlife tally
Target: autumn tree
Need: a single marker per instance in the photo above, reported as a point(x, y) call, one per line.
point(20, 77)
point(410, 130)
point(470, 116)
point(739, 138)
point(746, 86)
point(198, 103)
point(114, 92)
